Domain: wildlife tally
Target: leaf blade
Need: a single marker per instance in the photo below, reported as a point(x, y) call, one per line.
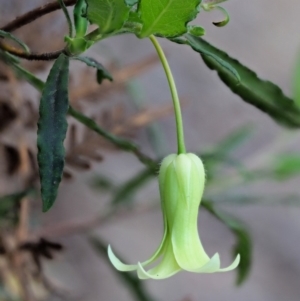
point(102, 72)
point(10, 36)
point(109, 15)
point(158, 16)
point(52, 128)
point(262, 94)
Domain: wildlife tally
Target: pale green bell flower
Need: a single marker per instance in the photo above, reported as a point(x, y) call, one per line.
point(181, 185)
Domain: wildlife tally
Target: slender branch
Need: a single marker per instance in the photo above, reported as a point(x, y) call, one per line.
point(28, 18)
point(35, 14)
point(121, 143)
point(48, 56)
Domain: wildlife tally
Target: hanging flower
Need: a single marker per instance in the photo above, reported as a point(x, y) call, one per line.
point(181, 185)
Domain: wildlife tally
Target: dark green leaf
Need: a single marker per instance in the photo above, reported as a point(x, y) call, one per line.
point(10, 36)
point(168, 18)
point(264, 95)
point(213, 56)
point(134, 285)
point(102, 72)
point(297, 83)
point(243, 244)
point(109, 15)
point(7, 202)
point(52, 128)
point(8, 58)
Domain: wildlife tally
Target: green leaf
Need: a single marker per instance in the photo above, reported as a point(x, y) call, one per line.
point(168, 18)
point(52, 128)
point(264, 95)
point(131, 2)
point(286, 166)
point(215, 57)
point(102, 72)
point(132, 282)
point(243, 244)
point(109, 15)
point(297, 83)
point(7, 202)
point(10, 36)
point(80, 20)
point(196, 31)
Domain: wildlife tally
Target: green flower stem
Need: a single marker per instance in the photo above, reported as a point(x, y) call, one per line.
point(175, 98)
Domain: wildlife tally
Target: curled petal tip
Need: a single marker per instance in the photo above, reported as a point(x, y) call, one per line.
point(117, 263)
point(142, 274)
point(233, 265)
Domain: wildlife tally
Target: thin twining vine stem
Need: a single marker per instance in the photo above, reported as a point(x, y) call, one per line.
point(28, 18)
point(174, 93)
point(35, 14)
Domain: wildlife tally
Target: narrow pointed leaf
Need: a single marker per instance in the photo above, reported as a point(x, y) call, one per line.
point(168, 18)
point(10, 36)
point(102, 72)
point(262, 94)
point(52, 128)
point(208, 54)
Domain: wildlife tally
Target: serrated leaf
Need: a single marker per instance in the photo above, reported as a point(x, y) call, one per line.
point(243, 244)
point(102, 72)
point(109, 15)
point(205, 52)
point(167, 18)
point(52, 128)
point(262, 94)
point(10, 36)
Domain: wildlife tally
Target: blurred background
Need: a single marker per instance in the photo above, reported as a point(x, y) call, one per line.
point(252, 163)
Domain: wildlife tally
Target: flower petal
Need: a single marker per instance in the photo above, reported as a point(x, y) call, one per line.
point(233, 265)
point(118, 264)
point(213, 265)
point(166, 268)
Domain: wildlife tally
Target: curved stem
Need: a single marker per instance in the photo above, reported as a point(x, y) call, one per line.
point(35, 14)
point(31, 56)
point(175, 98)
